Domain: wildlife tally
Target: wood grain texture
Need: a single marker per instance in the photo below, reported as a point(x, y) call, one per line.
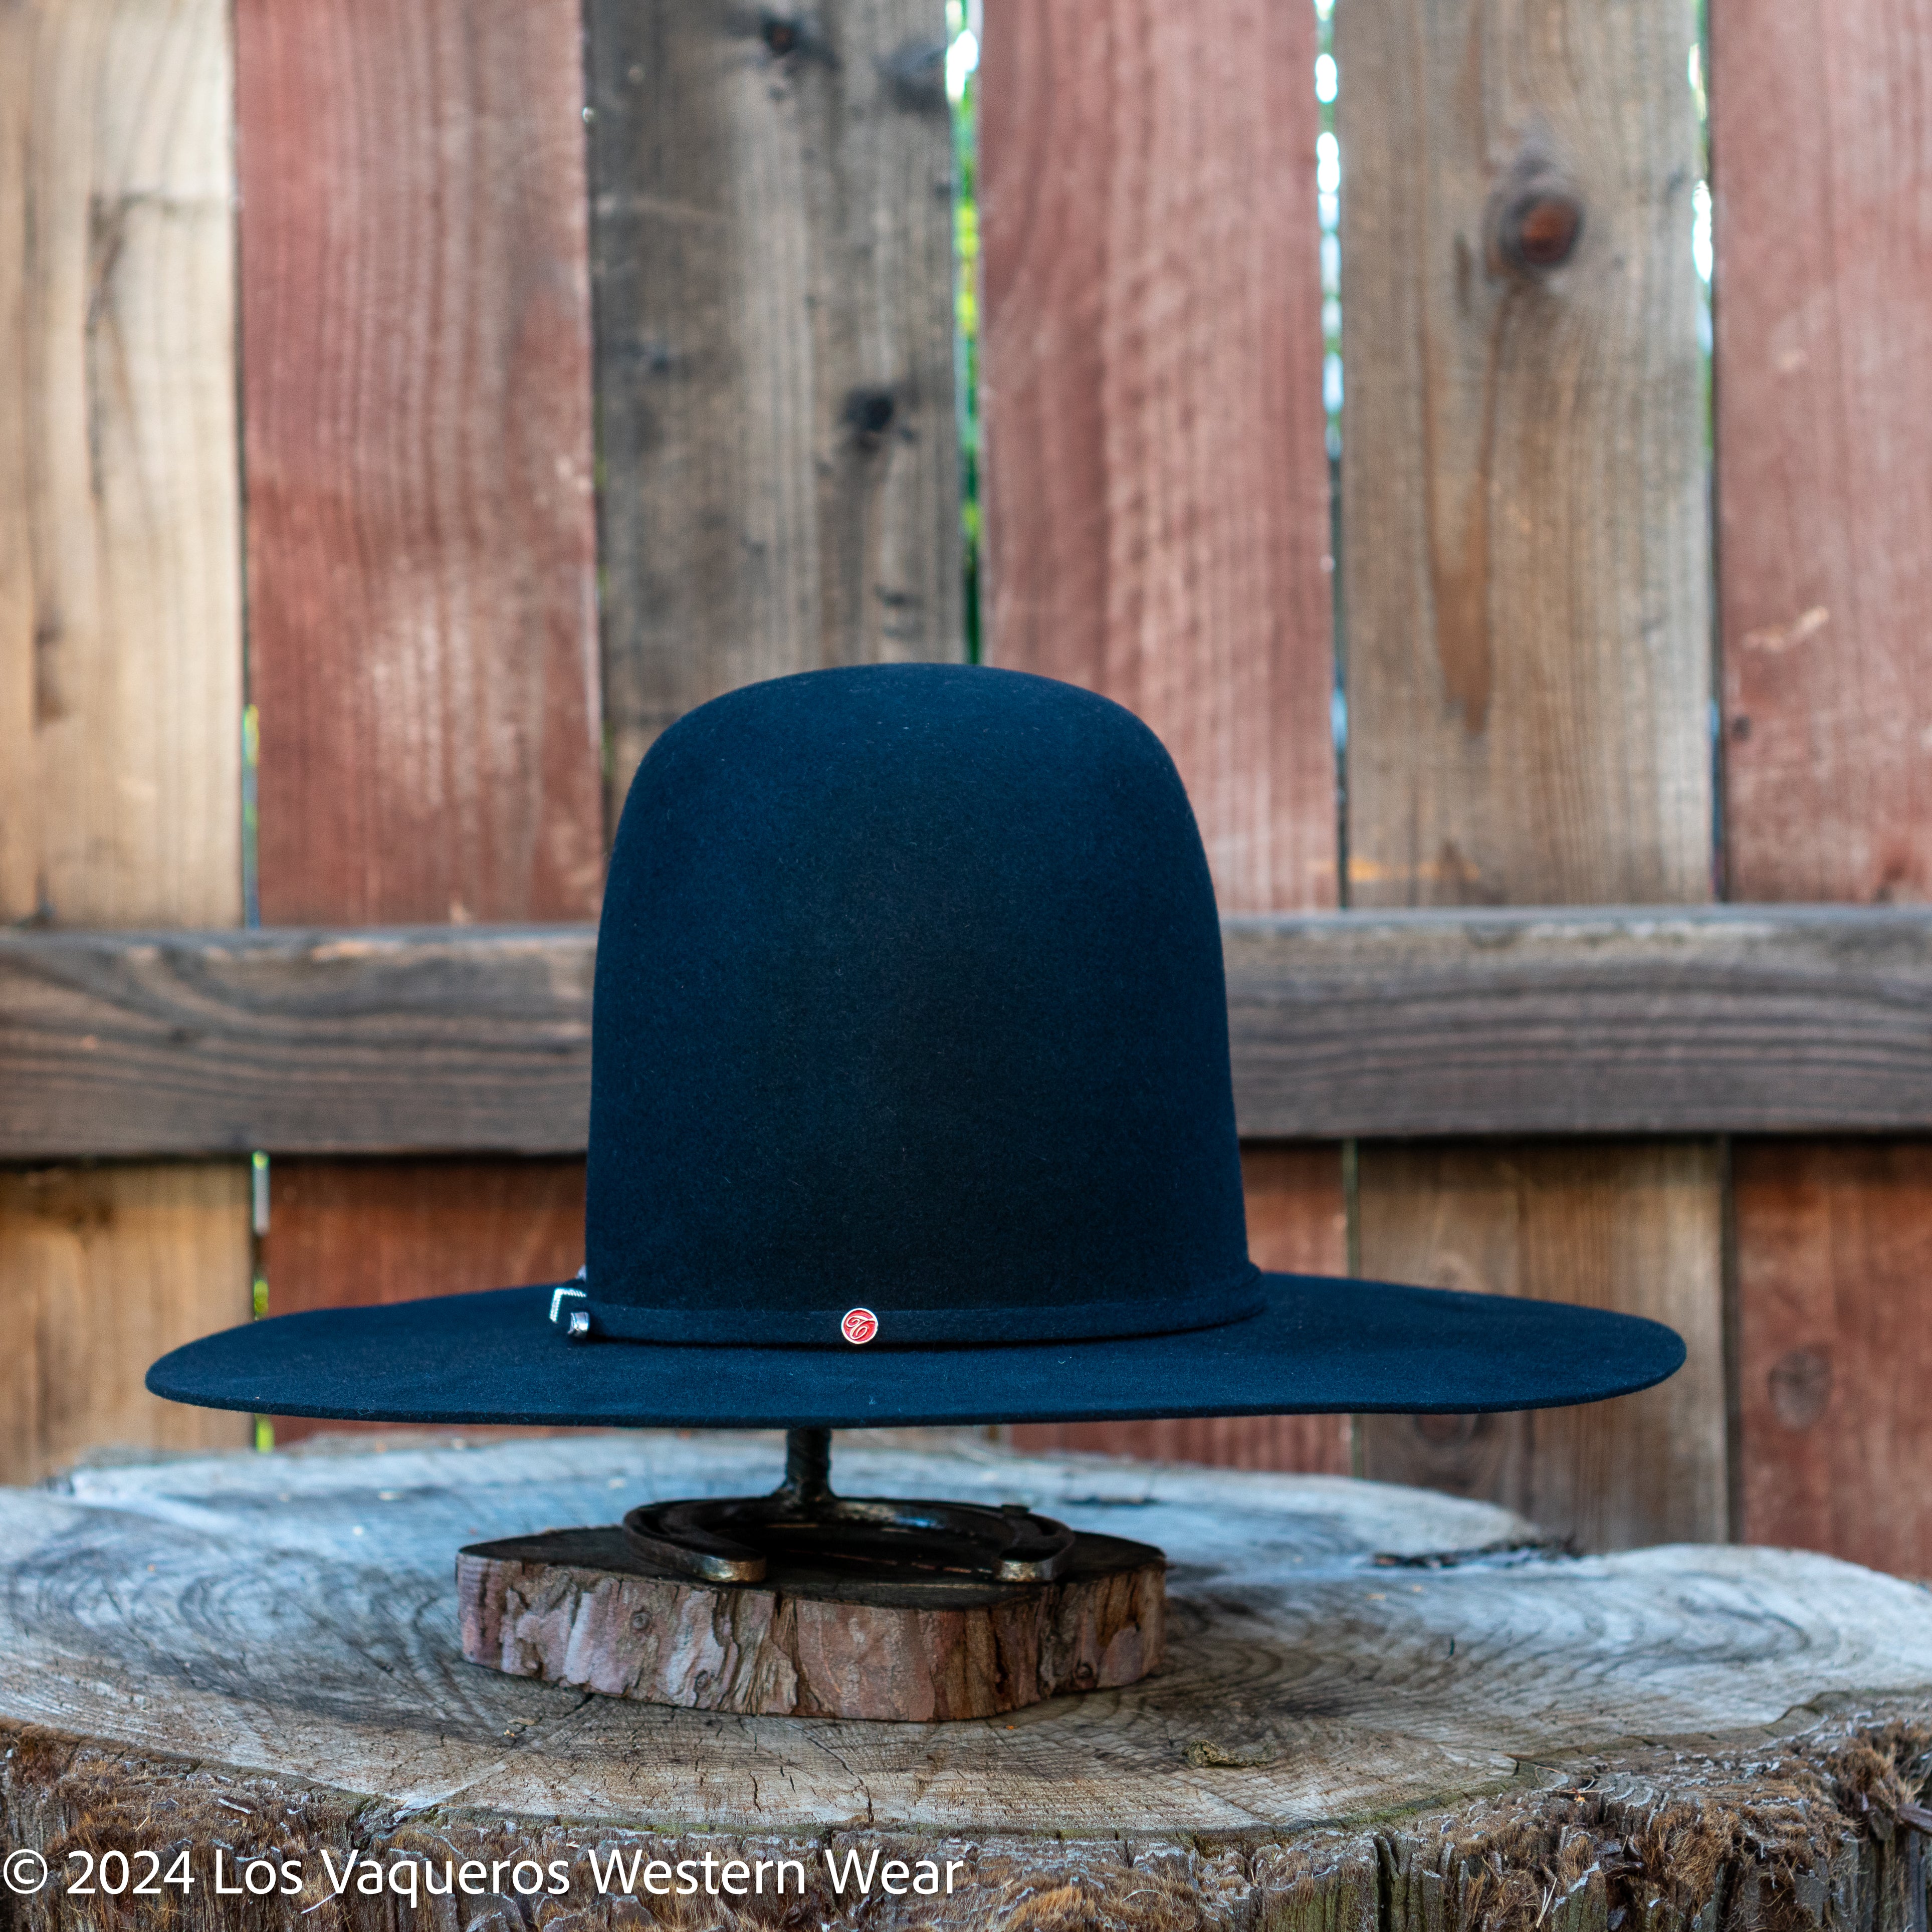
point(1827, 1844)
point(1297, 1225)
point(101, 1270)
point(1834, 1347)
point(415, 320)
point(1529, 624)
point(120, 651)
point(1551, 1020)
point(416, 383)
point(367, 1040)
point(1622, 1227)
point(120, 556)
point(347, 1233)
point(1529, 619)
point(1640, 1733)
point(1820, 158)
point(1156, 485)
point(472, 1040)
point(1637, 1228)
point(1822, 147)
point(575, 1606)
point(772, 239)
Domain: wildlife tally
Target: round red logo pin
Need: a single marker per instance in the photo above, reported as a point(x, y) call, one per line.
point(859, 1325)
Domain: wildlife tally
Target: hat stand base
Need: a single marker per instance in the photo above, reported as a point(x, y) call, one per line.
point(849, 1614)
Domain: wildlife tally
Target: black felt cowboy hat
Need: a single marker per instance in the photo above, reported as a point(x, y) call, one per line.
point(910, 1103)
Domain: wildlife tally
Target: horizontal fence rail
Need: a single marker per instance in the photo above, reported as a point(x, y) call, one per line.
point(1719, 1019)
point(378, 1040)
point(1765, 1019)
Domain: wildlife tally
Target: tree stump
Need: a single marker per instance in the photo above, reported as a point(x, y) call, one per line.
point(1381, 1710)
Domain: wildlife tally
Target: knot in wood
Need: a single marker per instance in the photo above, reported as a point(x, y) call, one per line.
point(1538, 228)
point(1801, 1386)
point(869, 412)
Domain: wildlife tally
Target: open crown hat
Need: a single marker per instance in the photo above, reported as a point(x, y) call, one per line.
point(910, 1103)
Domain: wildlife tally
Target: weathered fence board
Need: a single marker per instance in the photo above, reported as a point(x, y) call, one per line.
point(1157, 491)
point(416, 326)
point(101, 1269)
point(120, 651)
point(1528, 666)
point(470, 1039)
point(1157, 497)
point(1820, 157)
point(364, 1041)
point(772, 244)
point(120, 574)
point(1555, 1020)
point(1834, 1351)
point(1824, 408)
point(416, 402)
point(1606, 1224)
point(769, 202)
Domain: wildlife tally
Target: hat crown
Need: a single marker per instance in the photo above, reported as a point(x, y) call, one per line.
point(909, 997)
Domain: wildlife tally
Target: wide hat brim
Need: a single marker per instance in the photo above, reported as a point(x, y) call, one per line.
point(1320, 1346)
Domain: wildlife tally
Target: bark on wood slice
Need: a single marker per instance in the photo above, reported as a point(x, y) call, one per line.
point(575, 1606)
point(1380, 1710)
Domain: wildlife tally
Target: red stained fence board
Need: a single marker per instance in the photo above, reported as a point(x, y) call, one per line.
point(1156, 486)
point(1823, 228)
point(1834, 1284)
point(415, 329)
point(344, 1233)
point(1156, 490)
point(416, 407)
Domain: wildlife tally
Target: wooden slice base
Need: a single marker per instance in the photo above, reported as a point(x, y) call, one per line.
point(575, 1607)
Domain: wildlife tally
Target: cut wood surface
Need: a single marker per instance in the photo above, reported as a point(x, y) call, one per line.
point(416, 337)
point(472, 1040)
point(1528, 647)
point(579, 1608)
point(120, 652)
point(772, 245)
point(1824, 404)
point(263, 1652)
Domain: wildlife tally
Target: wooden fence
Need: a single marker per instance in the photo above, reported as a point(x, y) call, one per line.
point(407, 411)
